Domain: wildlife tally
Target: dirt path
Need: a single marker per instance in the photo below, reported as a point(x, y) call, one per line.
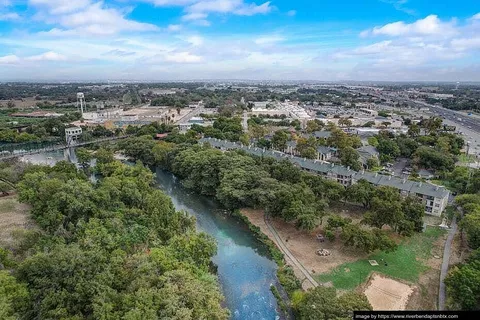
point(445, 263)
point(287, 252)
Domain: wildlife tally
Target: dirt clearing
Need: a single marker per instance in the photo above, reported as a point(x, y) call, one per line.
point(387, 294)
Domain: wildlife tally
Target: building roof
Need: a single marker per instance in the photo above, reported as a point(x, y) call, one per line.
point(324, 150)
point(322, 134)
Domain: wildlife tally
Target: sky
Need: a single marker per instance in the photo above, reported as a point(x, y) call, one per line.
point(327, 40)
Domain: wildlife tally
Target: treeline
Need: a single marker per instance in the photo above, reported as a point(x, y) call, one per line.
point(463, 280)
point(116, 249)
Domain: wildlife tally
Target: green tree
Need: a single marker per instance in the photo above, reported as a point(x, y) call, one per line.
point(14, 297)
point(84, 157)
point(372, 162)
point(463, 284)
point(322, 303)
point(361, 192)
point(349, 157)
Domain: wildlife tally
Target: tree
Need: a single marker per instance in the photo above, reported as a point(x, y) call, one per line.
point(372, 141)
point(463, 284)
point(14, 297)
point(361, 192)
point(344, 122)
point(471, 225)
point(414, 211)
point(430, 158)
point(84, 157)
point(372, 162)
point(349, 157)
point(257, 131)
point(314, 125)
point(322, 303)
point(386, 208)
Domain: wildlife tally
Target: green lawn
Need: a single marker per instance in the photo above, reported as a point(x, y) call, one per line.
point(402, 263)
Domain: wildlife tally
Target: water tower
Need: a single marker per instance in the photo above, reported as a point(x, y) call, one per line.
point(81, 106)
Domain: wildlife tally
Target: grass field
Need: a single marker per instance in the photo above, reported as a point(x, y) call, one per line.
point(405, 263)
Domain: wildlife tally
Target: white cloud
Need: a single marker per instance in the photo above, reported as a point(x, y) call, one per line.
point(252, 9)
point(61, 6)
point(5, 3)
point(10, 59)
point(195, 40)
point(466, 43)
point(199, 10)
point(291, 13)
point(170, 2)
point(194, 16)
point(174, 27)
point(269, 40)
point(183, 57)
point(476, 17)
point(431, 25)
point(86, 17)
point(47, 56)
point(11, 16)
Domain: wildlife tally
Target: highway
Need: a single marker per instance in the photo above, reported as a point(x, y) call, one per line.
point(464, 120)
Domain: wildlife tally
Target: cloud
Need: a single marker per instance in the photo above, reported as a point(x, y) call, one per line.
point(61, 6)
point(476, 17)
point(86, 17)
point(194, 16)
point(174, 27)
point(11, 16)
point(430, 25)
point(268, 40)
point(183, 57)
point(291, 13)
point(119, 53)
point(10, 59)
point(466, 43)
point(47, 56)
point(400, 6)
point(199, 10)
point(195, 40)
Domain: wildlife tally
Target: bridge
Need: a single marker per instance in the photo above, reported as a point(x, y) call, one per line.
point(58, 147)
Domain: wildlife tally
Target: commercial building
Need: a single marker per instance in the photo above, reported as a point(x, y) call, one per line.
point(435, 198)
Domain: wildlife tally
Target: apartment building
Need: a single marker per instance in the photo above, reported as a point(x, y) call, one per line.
point(435, 198)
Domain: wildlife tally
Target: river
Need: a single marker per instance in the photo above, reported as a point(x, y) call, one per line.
point(245, 270)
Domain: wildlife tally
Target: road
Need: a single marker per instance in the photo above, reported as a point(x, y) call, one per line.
point(445, 263)
point(287, 252)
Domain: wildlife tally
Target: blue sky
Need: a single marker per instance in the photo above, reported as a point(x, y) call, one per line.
point(240, 39)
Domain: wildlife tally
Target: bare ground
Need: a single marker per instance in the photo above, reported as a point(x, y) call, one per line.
point(387, 294)
point(13, 216)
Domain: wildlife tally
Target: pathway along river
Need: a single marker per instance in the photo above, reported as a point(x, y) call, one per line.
point(245, 270)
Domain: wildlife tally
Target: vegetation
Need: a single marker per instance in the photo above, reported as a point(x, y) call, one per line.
point(404, 263)
point(322, 303)
point(463, 280)
point(116, 249)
